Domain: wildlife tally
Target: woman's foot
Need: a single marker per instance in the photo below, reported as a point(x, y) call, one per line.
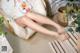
point(60, 30)
point(63, 36)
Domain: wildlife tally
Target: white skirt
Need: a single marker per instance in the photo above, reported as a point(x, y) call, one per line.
point(8, 8)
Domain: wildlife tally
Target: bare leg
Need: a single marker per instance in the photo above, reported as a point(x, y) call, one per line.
point(44, 20)
point(29, 23)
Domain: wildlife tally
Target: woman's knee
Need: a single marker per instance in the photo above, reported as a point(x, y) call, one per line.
point(21, 21)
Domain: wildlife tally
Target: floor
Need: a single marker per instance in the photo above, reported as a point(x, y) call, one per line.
point(39, 43)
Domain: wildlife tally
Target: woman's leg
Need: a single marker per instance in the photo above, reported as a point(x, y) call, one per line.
point(31, 24)
point(44, 20)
